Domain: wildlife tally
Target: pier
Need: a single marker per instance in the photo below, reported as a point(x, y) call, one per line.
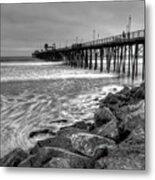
point(121, 54)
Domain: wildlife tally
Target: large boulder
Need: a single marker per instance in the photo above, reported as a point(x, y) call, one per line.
point(135, 115)
point(139, 92)
point(102, 116)
point(90, 144)
point(58, 162)
point(13, 158)
point(41, 132)
point(68, 131)
point(135, 141)
point(57, 141)
point(80, 125)
point(129, 162)
point(46, 154)
point(109, 130)
point(86, 143)
point(124, 97)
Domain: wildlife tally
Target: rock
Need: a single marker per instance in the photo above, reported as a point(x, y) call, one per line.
point(109, 130)
point(110, 99)
point(129, 154)
point(90, 126)
point(125, 91)
point(124, 97)
point(58, 141)
point(69, 163)
point(58, 163)
point(135, 115)
point(139, 92)
point(86, 143)
point(38, 159)
point(80, 125)
point(84, 125)
point(13, 158)
point(129, 117)
point(46, 154)
point(130, 162)
point(113, 101)
point(90, 144)
point(135, 141)
point(103, 115)
point(41, 132)
point(68, 131)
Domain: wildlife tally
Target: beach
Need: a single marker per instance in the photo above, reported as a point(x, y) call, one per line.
point(39, 99)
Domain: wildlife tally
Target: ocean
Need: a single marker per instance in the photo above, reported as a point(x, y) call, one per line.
point(37, 96)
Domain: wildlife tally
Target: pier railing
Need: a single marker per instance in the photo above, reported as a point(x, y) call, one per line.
point(117, 38)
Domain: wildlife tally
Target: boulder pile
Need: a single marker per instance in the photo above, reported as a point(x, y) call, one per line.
point(114, 139)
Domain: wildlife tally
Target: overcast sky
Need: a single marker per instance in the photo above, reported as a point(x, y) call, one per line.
point(26, 27)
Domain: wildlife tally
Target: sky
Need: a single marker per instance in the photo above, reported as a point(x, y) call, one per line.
point(27, 27)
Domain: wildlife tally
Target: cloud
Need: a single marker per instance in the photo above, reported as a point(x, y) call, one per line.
point(26, 27)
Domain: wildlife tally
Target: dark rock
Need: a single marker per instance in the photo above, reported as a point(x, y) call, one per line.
point(125, 91)
point(58, 163)
point(129, 117)
point(46, 154)
point(80, 125)
point(110, 99)
point(72, 162)
point(84, 125)
point(103, 115)
point(132, 162)
point(109, 130)
point(134, 116)
point(68, 131)
point(13, 158)
point(100, 152)
point(135, 142)
point(90, 126)
point(140, 92)
point(124, 97)
point(86, 143)
point(90, 144)
point(58, 141)
point(59, 121)
point(41, 132)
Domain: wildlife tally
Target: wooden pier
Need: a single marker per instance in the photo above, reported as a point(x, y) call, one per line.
point(120, 54)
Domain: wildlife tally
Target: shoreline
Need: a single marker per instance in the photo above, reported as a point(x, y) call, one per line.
point(117, 123)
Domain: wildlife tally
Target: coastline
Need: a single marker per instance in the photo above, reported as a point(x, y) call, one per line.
point(112, 139)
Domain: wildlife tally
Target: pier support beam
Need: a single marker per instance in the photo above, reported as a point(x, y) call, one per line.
point(129, 59)
point(81, 58)
point(124, 60)
point(90, 59)
point(114, 58)
point(133, 65)
point(95, 52)
point(143, 65)
point(118, 59)
point(136, 59)
point(101, 59)
point(86, 58)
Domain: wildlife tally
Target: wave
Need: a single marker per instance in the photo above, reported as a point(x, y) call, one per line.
point(58, 76)
point(41, 63)
point(28, 117)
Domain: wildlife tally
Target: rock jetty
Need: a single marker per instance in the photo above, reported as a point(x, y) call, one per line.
point(114, 139)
